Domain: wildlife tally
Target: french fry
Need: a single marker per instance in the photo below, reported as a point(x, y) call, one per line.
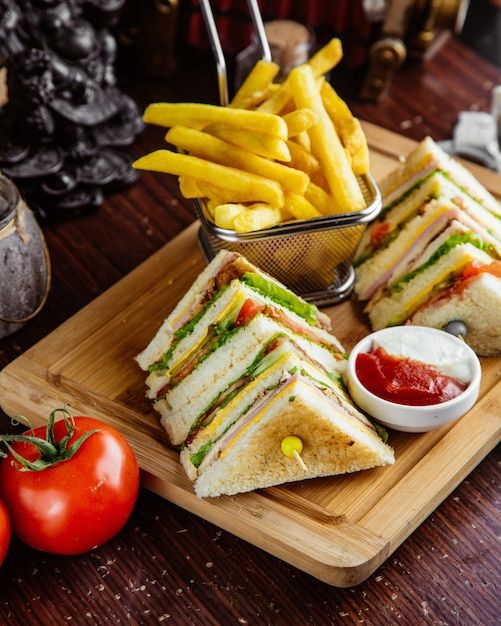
point(258, 97)
point(318, 179)
point(299, 121)
point(212, 204)
point(212, 148)
point(326, 58)
point(320, 199)
point(167, 114)
point(299, 206)
point(234, 152)
point(258, 79)
point(321, 63)
point(348, 128)
point(225, 214)
point(326, 145)
point(222, 194)
point(277, 101)
point(302, 159)
point(189, 187)
point(258, 217)
point(262, 144)
point(303, 139)
point(256, 187)
point(356, 143)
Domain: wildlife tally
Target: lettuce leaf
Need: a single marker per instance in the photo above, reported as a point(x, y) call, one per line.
point(445, 248)
point(280, 295)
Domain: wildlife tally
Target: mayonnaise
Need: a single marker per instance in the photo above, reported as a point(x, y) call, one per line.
point(438, 350)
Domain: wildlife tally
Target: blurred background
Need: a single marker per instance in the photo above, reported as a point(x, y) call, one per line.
point(379, 36)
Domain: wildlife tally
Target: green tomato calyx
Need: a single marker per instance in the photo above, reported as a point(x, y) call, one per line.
point(51, 451)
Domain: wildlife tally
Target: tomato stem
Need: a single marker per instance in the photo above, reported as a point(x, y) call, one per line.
point(51, 451)
point(45, 447)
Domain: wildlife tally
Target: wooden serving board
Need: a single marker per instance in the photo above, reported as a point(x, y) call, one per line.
point(338, 529)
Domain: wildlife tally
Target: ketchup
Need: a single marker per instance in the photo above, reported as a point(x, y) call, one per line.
point(403, 380)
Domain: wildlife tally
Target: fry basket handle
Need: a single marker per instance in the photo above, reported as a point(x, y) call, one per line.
point(222, 74)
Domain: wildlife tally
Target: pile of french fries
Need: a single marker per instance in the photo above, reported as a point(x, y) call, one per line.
point(278, 152)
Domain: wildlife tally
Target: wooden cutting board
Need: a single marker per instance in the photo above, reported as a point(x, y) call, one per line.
point(338, 529)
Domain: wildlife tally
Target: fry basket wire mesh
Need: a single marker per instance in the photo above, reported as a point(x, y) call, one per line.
point(312, 257)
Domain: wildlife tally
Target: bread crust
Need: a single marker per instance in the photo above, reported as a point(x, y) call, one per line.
point(478, 306)
point(331, 445)
point(394, 308)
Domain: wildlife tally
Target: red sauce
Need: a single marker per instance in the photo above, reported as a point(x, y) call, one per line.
point(403, 380)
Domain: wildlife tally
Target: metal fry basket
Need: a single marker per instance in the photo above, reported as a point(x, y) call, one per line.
point(313, 257)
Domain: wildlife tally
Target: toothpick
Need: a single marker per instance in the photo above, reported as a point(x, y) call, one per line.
point(300, 461)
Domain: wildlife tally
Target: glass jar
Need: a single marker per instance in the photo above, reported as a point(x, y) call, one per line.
point(290, 44)
point(24, 261)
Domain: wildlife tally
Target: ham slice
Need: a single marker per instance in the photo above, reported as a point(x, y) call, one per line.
point(411, 252)
point(240, 424)
point(211, 287)
point(407, 183)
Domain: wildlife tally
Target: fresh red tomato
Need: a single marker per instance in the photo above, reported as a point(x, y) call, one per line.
point(70, 506)
point(4, 532)
point(248, 311)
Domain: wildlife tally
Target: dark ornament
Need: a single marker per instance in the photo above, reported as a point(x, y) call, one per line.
point(65, 117)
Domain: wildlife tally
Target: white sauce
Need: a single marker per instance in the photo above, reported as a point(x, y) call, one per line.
point(447, 356)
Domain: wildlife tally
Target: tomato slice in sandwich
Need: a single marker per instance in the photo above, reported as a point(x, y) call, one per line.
point(474, 269)
point(248, 311)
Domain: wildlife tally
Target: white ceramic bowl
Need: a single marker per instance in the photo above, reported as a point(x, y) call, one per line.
point(404, 417)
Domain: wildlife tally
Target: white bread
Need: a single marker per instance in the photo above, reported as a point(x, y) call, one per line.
point(443, 190)
point(387, 264)
point(430, 189)
point(223, 418)
point(398, 307)
point(412, 163)
point(183, 404)
point(239, 292)
point(158, 345)
point(162, 339)
point(332, 444)
point(439, 187)
point(478, 306)
point(428, 151)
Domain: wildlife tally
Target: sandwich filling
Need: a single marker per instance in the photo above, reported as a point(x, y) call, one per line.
point(237, 267)
point(273, 352)
point(437, 185)
point(471, 272)
point(422, 234)
point(447, 273)
point(237, 314)
point(430, 164)
point(216, 448)
point(441, 251)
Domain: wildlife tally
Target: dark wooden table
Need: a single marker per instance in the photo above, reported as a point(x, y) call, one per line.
point(168, 565)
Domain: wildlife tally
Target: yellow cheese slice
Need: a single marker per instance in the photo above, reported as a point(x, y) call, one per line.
point(238, 299)
point(213, 426)
point(416, 301)
point(287, 391)
point(436, 214)
point(433, 192)
point(409, 174)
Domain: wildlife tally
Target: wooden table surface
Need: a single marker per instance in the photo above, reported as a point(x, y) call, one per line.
point(169, 566)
